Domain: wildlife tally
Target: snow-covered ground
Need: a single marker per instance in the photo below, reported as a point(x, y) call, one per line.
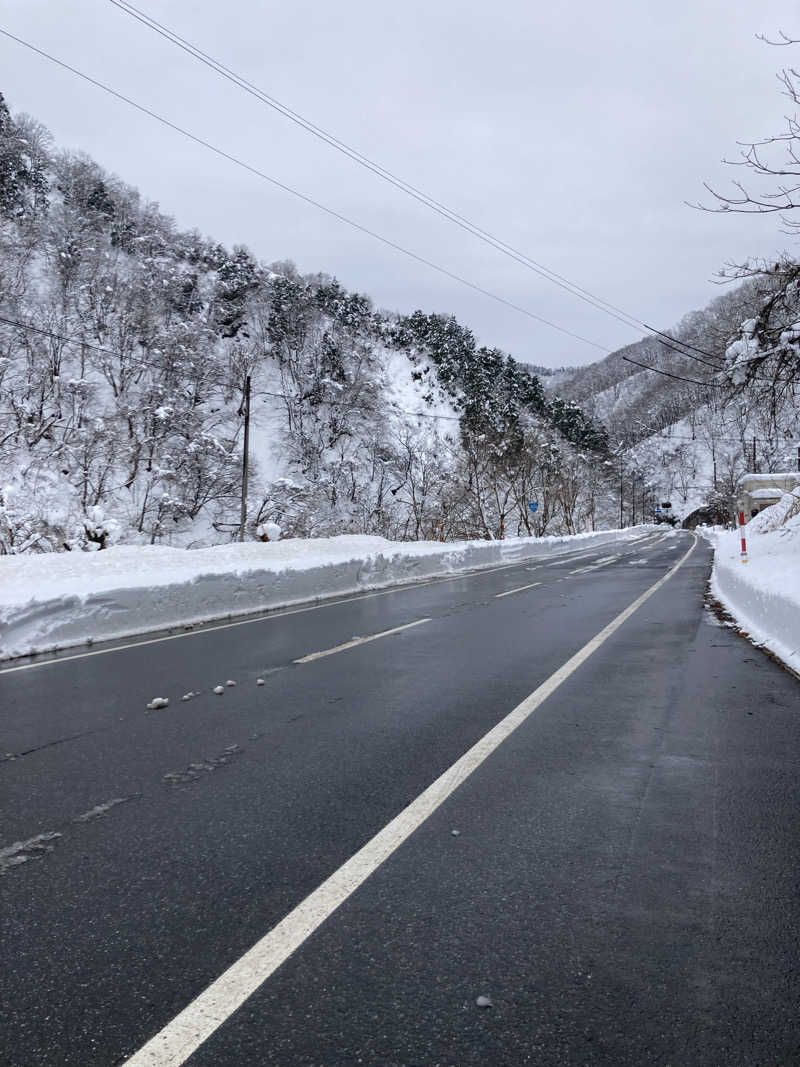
point(56, 600)
point(763, 594)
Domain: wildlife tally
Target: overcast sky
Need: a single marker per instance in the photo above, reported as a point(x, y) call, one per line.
point(576, 135)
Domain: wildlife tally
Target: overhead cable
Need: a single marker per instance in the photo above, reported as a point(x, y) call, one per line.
point(148, 364)
point(629, 320)
point(302, 196)
point(678, 377)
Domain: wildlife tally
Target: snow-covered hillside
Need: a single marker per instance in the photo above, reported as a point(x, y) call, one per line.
point(680, 419)
point(125, 348)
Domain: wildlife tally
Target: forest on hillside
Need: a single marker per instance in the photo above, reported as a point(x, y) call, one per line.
point(679, 408)
point(125, 346)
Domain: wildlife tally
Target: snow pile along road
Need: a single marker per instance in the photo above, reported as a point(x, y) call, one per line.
point(54, 601)
point(763, 594)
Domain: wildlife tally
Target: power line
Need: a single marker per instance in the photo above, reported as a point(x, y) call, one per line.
point(282, 396)
point(61, 337)
point(124, 357)
point(302, 196)
point(745, 438)
point(364, 161)
point(688, 355)
point(685, 344)
point(678, 377)
point(400, 183)
point(371, 233)
point(708, 385)
point(145, 363)
point(404, 411)
point(15, 323)
point(132, 359)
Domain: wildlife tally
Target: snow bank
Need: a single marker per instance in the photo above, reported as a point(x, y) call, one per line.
point(53, 601)
point(763, 595)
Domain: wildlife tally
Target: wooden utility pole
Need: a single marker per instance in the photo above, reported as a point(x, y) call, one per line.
point(621, 490)
point(246, 409)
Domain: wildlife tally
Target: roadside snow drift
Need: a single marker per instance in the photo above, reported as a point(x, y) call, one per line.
point(53, 601)
point(763, 594)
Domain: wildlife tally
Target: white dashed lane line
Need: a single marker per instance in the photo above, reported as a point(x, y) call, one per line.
point(358, 641)
point(519, 589)
point(595, 566)
point(272, 615)
point(190, 1028)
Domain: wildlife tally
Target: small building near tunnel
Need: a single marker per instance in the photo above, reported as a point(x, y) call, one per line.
point(758, 491)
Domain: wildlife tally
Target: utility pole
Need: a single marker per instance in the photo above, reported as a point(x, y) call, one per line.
point(755, 470)
point(621, 489)
point(245, 408)
point(633, 500)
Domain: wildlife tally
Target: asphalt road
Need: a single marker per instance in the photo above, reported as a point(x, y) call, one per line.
point(622, 886)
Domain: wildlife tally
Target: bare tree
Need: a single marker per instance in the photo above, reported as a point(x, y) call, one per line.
point(773, 157)
point(768, 349)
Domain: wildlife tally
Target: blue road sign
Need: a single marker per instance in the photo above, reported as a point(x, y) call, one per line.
point(533, 505)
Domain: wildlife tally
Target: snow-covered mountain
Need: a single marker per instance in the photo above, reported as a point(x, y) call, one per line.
point(125, 349)
point(126, 345)
point(686, 427)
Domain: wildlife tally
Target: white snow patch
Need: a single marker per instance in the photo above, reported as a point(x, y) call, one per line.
point(269, 531)
point(22, 851)
point(763, 594)
point(101, 809)
point(61, 599)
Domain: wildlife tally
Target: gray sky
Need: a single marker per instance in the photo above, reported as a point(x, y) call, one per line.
point(575, 135)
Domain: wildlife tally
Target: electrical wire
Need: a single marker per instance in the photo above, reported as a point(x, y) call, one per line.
point(146, 363)
point(394, 407)
point(350, 222)
point(61, 337)
point(710, 385)
point(301, 196)
point(688, 355)
point(358, 157)
point(132, 359)
point(686, 437)
point(400, 183)
point(678, 377)
point(420, 414)
point(668, 341)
